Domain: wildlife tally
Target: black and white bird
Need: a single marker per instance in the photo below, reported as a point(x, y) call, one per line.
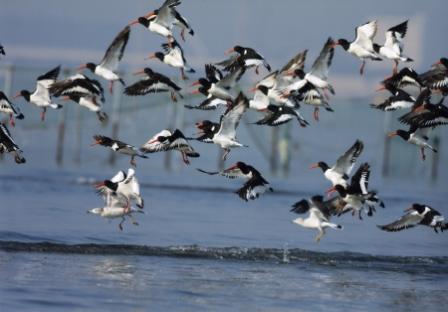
point(7, 145)
point(41, 96)
point(2, 50)
point(166, 140)
point(339, 172)
point(153, 82)
point(173, 55)
point(216, 84)
point(404, 78)
point(118, 146)
point(164, 18)
point(417, 214)
point(226, 135)
point(311, 95)
point(10, 109)
point(318, 75)
point(437, 77)
point(278, 115)
point(357, 196)
point(207, 129)
point(362, 45)
point(393, 46)
point(398, 100)
point(255, 184)
point(318, 217)
point(77, 85)
point(245, 57)
point(109, 64)
point(416, 136)
point(117, 207)
point(122, 184)
point(424, 114)
point(91, 103)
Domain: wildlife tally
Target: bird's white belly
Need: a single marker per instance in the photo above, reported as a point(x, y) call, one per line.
point(113, 212)
point(335, 178)
point(89, 104)
point(359, 51)
point(174, 61)
point(253, 62)
point(225, 142)
point(316, 81)
point(389, 53)
point(159, 29)
point(40, 101)
point(106, 74)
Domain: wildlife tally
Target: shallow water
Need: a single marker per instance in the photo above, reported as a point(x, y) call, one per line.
point(179, 257)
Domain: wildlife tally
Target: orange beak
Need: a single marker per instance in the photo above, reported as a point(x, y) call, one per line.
point(231, 50)
point(313, 166)
point(231, 168)
point(151, 56)
point(17, 95)
point(82, 67)
point(195, 92)
point(133, 22)
point(290, 73)
point(392, 134)
point(140, 72)
point(196, 83)
point(381, 88)
point(253, 89)
point(65, 98)
point(95, 143)
point(331, 191)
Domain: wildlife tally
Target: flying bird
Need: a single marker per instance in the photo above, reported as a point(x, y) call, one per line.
point(393, 46)
point(318, 217)
point(122, 184)
point(77, 85)
point(417, 214)
point(8, 145)
point(255, 184)
point(362, 45)
point(9, 108)
point(91, 103)
point(339, 172)
point(416, 136)
point(109, 64)
point(166, 140)
point(153, 82)
point(41, 96)
point(173, 56)
point(278, 115)
point(226, 135)
point(118, 146)
point(245, 57)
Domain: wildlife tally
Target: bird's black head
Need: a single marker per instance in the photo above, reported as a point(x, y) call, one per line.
point(205, 125)
point(148, 71)
point(159, 55)
point(344, 43)
point(26, 94)
point(403, 134)
point(299, 73)
point(238, 49)
point(91, 67)
point(144, 21)
point(2, 95)
point(102, 140)
point(340, 189)
point(111, 185)
point(245, 169)
point(263, 89)
point(74, 97)
point(418, 207)
point(444, 61)
point(204, 82)
point(322, 165)
point(273, 108)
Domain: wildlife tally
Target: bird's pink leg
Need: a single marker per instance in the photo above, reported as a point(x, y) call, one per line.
point(11, 121)
point(111, 87)
point(42, 114)
point(361, 70)
point(173, 97)
point(185, 158)
point(227, 151)
point(316, 114)
point(182, 74)
point(395, 68)
point(133, 163)
point(256, 70)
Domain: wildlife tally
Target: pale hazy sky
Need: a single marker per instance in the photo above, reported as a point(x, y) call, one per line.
point(46, 32)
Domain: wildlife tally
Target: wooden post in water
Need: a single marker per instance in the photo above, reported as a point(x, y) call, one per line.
point(284, 150)
point(386, 150)
point(78, 148)
point(273, 160)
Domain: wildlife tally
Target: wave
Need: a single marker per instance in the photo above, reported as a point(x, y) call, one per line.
point(295, 255)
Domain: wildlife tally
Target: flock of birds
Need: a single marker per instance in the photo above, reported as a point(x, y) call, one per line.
point(277, 96)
